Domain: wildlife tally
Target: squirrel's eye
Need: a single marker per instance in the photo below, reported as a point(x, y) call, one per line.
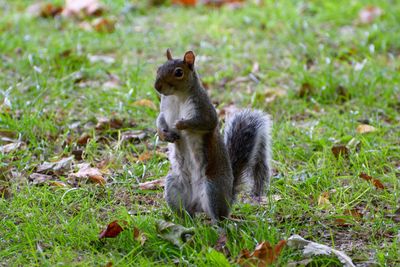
point(178, 73)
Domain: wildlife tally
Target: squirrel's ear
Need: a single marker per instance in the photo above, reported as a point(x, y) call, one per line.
point(169, 55)
point(189, 59)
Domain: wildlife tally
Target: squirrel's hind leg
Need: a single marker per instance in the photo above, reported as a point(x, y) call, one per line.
point(214, 202)
point(177, 196)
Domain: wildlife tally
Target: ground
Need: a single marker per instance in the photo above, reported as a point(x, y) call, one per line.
point(315, 66)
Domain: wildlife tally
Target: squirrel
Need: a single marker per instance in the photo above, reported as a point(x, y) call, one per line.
point(206, 168)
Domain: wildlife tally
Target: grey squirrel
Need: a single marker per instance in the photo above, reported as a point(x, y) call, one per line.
point(206, 168)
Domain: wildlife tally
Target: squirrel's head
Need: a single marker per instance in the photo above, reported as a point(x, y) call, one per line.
point(176, 76)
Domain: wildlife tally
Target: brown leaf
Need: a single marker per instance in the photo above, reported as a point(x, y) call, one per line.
point(378, 184)
point(39, 178)
point(57, 167)
point(219, 3)
point(221, 244)
point(340, 150)
point(152, 185)
point(354, 213)
point(112, 230)
point(306, 89)
point(365, 128)
point(139, 236)
point(57, 184)
point(106, 123)
point(93, 174)
point(264, 254)
point(145, 156)
point(103, 25)
point(145, 103)
point(5, 191)
point(368, 14)
point(342, 222)
point(44, 10)
point(133, 136)
point(184, 2)
point(83, 139)
point(80, 8)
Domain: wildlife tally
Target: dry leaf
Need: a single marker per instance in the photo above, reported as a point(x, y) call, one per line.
point(57, 184)
point(323, 200)
point(82, 8)
point(133, 136)
point(106, 123)
point(57, 167)
point(374, 181)
point(113, 82)
point(145, 156)
point(83, 139)
point(184, 2)
point(103, 25)
point(368, 14)
point(139, 236)
point(39, 178)
point(152, 185)
point(174, 233)
point(314, 249)
point(12, 147)
point(145, 103)
point(340, 150)
point(44, 10)
point(220, 246)
point(93, 174)
point(365, 128)
point(264, 254)
point(112, 230)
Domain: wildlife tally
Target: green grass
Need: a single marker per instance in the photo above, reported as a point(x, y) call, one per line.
point(57, 94)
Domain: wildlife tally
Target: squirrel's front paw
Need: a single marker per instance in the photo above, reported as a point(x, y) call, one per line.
point(180, 125)
point(168, 136)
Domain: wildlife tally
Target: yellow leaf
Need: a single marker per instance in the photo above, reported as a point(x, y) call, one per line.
point(145, 103)
point(365, 128)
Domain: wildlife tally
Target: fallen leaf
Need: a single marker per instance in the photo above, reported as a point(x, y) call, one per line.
point(112, 230)
point(5, 191)
point(219, 3)
point(133, 136)
point(227, 111)
point(306, 89)
point(263, 255)
point(107, 123)
point(354, 213)
point(113, 81)
point(57, 167)
point(174, 233)
point(314, 249)
point(342, 222)
point(12, 147)
point(145, 103)
point(145, 156)
point(80, 8)
point(104, 25)
point(365, 128)
point(44, 10)
point(340, 150)
point(323, 200)
point(83, 139)
point(93, 174)
point(378, 184)
point(184, 2)
point(368, 14)
point(152, 185)
point(39, 178)
point(220, 246)
point(139, 236)
point(57, 184)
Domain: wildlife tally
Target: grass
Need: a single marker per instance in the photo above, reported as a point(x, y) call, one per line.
point(307, 49)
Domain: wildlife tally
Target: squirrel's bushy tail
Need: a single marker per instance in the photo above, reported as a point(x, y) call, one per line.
point(248, 140)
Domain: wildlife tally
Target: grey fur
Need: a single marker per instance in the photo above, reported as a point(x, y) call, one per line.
point(202, 177)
